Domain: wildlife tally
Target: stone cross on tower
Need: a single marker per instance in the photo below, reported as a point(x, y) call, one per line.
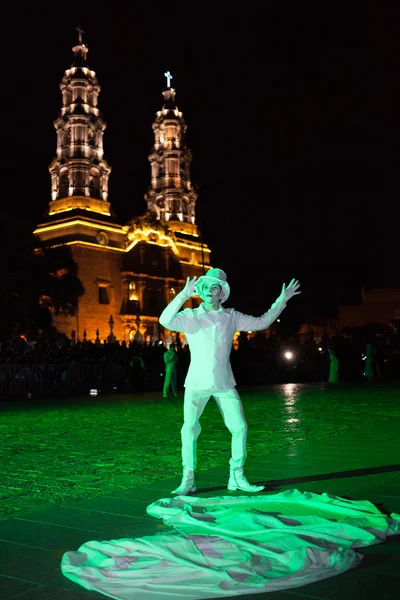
point(169, 77)
point(80, 33)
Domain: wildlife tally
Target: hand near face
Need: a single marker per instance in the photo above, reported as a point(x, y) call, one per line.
point(189, 287)
point(293, 289)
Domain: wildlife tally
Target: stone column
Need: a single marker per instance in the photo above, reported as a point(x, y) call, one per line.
point(141, 286)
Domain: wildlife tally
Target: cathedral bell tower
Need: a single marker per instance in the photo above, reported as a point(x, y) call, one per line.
point(171, 195)
point(129, 272)
point(79, 172)
point(79, 213)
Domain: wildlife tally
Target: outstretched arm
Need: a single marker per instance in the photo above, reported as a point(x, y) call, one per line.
point(170, 317)
point(293, 289)
point(249, 323)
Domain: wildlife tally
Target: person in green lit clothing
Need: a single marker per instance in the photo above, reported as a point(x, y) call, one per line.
point(171, 360)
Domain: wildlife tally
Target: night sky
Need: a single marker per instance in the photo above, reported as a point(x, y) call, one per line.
point(292, 120)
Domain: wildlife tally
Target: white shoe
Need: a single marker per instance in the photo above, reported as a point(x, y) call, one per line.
point(237, 481)
point(188, 484)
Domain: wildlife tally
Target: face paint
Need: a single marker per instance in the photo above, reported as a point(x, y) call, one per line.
point(211, 293)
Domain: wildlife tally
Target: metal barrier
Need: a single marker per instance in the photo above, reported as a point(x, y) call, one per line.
point(71, 378)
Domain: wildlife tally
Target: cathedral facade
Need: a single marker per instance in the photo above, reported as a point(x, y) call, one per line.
point(129, 271)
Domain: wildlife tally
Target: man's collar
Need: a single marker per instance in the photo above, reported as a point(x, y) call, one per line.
point(203, 310)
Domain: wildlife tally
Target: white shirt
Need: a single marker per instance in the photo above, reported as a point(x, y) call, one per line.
point(210, 336)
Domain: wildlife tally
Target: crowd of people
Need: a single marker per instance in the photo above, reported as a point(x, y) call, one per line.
point(61, 366)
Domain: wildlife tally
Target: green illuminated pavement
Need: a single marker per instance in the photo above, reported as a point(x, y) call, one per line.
point(87, 468)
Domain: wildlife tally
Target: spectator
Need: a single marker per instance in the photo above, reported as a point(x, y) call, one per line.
point(171, 361)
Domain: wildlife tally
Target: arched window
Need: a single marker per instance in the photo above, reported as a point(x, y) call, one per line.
point(91, 136)
point(64, 184)
point(133, 294)
point(103, 295)
point(94, 185)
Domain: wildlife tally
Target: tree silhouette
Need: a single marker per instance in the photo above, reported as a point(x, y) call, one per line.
point(37, 282)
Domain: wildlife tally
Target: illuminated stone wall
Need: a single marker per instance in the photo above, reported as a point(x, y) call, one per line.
point(99, 271)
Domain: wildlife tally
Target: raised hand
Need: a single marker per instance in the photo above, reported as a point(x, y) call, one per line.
point(291, 290)
point(188, 290)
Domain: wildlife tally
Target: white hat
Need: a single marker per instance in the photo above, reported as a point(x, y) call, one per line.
point(214, 276)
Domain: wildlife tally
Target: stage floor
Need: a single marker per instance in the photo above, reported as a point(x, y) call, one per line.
point(86, 468)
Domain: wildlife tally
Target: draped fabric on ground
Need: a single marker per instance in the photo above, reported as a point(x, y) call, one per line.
point(227, 546)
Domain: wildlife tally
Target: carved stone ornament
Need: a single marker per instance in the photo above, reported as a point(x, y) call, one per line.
point(102, 238)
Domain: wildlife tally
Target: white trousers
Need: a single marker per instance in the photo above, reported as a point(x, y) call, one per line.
point(230, 405)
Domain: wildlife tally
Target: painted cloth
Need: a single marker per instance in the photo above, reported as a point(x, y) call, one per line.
point(210, 336)
point(227, 546)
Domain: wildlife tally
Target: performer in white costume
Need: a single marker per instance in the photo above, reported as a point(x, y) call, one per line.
point(209, 330)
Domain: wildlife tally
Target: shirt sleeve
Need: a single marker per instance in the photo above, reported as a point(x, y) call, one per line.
point(249, 323)
point(173, 320)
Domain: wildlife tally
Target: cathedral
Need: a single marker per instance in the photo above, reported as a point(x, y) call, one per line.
point(129, 271)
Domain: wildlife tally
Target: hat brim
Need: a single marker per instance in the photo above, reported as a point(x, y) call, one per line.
point(204, 278)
